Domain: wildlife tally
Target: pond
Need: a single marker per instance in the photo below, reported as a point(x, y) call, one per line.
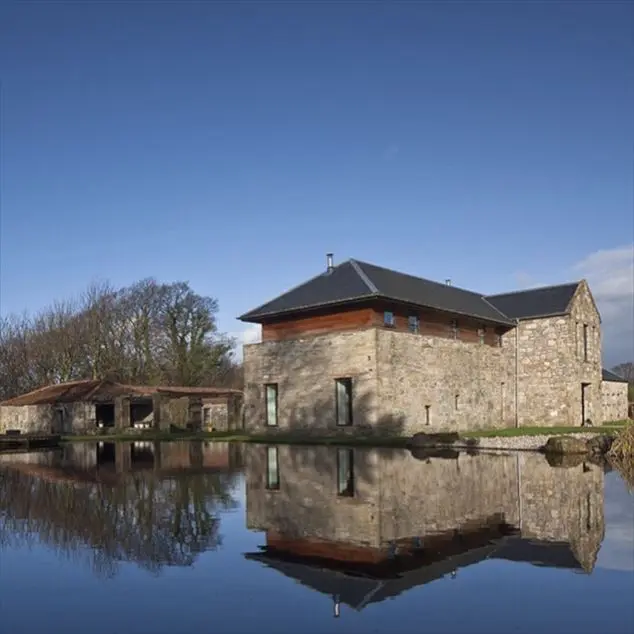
point(183, 537)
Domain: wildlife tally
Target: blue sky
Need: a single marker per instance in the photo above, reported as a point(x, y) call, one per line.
point(233, 144)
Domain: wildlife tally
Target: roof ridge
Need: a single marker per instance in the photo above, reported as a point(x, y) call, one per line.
point(364, 277)
point(534, 288)
point(418, 277)
point(497, 310)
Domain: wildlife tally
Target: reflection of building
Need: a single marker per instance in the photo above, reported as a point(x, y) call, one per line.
point(362, 346)
point(154, 505)
point(365, 524)
point(82, 406)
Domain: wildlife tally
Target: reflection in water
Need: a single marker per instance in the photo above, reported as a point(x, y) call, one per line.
point(155, 504)
point(363, 525)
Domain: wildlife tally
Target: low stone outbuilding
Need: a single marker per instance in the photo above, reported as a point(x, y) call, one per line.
point(86, 406)
point(614, 395)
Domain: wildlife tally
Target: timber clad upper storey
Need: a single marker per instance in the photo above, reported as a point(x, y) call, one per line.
point(366, 347)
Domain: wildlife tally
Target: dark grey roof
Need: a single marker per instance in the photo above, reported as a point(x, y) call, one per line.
point(354, 281)
point(606, 375)
point(547, 301)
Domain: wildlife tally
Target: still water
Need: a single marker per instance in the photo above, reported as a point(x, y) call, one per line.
point(181, 538)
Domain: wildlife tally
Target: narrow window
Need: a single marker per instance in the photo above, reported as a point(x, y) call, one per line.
point(456, 402)
point(207, 416)
point(343, 395)
point(499, 340)
point(577, 339)
point(388, 318)
point(271, 404)
point(585, 342)
point(502, 400)
point(345, 472)
point(413, 323)
point(427, 414)
point(482, 334)
point(454, 328)
point(272, 469)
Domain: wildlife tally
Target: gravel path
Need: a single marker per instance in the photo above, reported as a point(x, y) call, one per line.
point(519, 442)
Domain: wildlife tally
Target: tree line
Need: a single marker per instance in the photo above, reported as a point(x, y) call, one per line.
point(148, 333)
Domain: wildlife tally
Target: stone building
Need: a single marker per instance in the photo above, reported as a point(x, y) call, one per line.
point(86, 406)
point(614, 395)
point(361, 347)
point(373, 523)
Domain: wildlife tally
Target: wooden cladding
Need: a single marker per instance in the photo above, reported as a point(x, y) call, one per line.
point(314, 325)
point(427, 322)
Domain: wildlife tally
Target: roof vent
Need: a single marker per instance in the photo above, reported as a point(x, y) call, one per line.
point(329, 263)
point(448, 282)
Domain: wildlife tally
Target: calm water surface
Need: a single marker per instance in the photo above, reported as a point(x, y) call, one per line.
point(181, 538)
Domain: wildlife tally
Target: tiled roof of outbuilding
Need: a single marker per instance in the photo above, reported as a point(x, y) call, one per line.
point(547, 301)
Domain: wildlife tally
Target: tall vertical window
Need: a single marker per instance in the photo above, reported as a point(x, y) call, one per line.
point(585, 342)
point(388, 318)
point(427, 414)
point(271, 404)
point(413, 323)
point(482, 334)
point(454, 328)
point(456, 402)
point(272, 468)
point(345, 472)
point(577, 339)
point(343, 396)
point(499, 340)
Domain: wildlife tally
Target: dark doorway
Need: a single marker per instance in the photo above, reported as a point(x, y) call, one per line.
point(584, 401)
point(104, 414)
point(141, 413)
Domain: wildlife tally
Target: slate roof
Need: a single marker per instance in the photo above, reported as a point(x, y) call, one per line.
point(606, 375)
point(355, 281)
point(547, 301)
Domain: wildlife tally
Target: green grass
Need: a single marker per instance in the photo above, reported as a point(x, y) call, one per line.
point(606, 428)
point(298, 438)
point(276, 438)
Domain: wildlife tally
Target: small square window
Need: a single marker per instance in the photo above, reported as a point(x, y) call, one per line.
point(413, 323)
point(388, 318)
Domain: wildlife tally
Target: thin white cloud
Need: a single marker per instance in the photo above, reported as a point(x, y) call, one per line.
point(251, 334)
point(610, 274)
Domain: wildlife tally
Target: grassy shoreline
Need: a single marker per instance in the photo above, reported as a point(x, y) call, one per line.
point(348, 440)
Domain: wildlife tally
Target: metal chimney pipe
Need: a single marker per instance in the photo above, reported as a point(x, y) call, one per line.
point(448, 282)
point(329, 263)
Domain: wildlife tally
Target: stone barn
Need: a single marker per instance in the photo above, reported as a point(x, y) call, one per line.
point(82, 407)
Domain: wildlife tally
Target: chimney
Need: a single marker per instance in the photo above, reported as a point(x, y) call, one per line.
point(448, 282)
point(329, 262)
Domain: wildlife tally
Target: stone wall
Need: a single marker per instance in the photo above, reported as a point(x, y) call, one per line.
point(305, 370)
point(614, 398)
point(432, 384)
point(552, 368)
point(61, 418)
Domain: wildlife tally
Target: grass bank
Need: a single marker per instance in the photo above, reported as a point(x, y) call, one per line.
point(277, 438)
point(297, 438)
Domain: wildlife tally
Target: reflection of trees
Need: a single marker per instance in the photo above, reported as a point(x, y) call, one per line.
point(151, 522)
